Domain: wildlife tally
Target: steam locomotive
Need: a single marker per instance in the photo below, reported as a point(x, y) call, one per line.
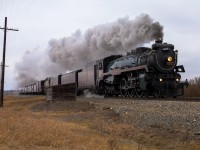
point(143, 72)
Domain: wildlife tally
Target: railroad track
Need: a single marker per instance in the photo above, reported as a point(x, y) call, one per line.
point(188, 99)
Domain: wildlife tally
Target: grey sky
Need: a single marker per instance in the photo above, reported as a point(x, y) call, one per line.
point(39, 21)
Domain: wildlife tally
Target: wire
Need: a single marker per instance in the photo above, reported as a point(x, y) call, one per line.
point(23, 16)
point(18, 14)
point(0, 9)
point(15, 12)
point(27, 11)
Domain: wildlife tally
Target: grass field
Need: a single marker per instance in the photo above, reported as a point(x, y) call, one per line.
point(23, 128)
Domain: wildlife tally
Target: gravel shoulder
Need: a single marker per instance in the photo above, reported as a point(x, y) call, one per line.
point(162, 124)
point(171, 115)
point(157, 122)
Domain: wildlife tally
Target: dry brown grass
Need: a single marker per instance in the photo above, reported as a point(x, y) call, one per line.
point(21, 128)
point(193, 90)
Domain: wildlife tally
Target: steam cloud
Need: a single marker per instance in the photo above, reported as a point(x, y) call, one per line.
point(73, 52)
point(89, 94)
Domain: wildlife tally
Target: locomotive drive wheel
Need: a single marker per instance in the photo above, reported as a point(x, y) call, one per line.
point(139, 92)
point(131, 92)
point(123, 89)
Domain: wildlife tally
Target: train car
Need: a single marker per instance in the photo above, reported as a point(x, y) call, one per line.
point(62, 79)
point(21, 90)
point(52, 81)
point(87, 77)
point(71, 77)
point(36, 88)
point(39, 88)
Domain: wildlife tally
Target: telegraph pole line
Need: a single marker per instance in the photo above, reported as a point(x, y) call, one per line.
point(3, 65)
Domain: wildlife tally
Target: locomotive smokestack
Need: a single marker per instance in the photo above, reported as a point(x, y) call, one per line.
point(159, 41)
point(73, 52)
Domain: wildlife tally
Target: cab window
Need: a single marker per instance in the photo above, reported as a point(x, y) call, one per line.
point(100, 66)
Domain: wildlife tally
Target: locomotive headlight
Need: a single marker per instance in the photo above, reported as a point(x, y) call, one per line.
point(160, 79)
point(169, 58)
point(177, 79)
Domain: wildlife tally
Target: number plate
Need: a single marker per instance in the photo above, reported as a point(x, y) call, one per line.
point(170, 63)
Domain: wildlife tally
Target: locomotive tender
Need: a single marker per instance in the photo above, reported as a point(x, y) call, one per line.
point(142, 72)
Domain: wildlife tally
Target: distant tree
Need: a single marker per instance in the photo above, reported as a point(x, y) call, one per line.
point(193, 89)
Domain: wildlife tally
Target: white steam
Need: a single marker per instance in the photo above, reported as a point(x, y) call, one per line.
point(73, 52)
point(89, 94)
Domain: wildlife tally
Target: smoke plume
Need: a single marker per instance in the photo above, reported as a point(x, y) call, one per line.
point(73, 52)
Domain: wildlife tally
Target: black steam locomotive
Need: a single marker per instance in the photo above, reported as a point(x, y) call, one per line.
point(142, 72)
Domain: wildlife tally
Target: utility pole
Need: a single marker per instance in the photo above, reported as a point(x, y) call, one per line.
point(3, 65)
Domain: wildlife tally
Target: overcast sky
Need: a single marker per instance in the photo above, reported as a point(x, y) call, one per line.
point(39, 21)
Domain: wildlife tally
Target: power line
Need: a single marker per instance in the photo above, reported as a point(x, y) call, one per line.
point(19, 15)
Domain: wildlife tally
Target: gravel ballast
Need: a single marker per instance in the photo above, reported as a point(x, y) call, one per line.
point(165, 116)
